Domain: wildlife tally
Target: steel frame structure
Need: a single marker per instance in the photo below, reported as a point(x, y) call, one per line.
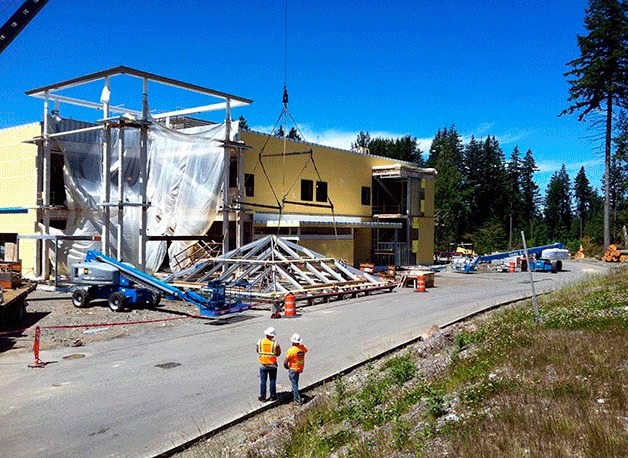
point(142, 120)
point(273, 266)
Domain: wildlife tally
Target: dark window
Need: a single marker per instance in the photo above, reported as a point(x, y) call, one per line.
point(307, 190)
point(321, 191)
point(233, 172)
point(249, 185)
point(366, 195)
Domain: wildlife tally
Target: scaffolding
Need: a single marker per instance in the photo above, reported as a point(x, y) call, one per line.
point(122, 117)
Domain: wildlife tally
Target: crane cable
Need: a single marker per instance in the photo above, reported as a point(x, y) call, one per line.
point(285, 114)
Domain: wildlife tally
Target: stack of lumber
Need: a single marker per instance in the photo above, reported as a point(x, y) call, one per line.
point(614, 254)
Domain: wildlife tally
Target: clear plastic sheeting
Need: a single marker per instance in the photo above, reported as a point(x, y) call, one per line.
point(185, 179)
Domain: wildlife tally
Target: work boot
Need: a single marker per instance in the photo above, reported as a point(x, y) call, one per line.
point(273, 398)
point(261, 398)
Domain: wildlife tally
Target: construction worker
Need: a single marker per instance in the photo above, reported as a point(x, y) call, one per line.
point(268, 350)
point(294, 362)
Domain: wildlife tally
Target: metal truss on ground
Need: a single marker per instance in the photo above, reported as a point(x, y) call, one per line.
point(273, 266)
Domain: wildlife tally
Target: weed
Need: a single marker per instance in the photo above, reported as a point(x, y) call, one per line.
point(402, 369)
point(401, 433)
point(435, 403)
point(340, 391)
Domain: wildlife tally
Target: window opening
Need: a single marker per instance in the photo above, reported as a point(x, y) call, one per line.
point(366, 195)
point(307, 190)
point(321, 191)
point(249, 185)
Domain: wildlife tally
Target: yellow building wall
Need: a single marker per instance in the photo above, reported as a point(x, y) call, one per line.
point(428, 205)
point(18, 186)
point(425, 245)
point(337, 249)
point(345, 173)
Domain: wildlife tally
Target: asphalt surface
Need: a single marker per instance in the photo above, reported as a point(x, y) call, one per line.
point(118, 401)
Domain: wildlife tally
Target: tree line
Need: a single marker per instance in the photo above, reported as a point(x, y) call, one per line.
point(483, 198)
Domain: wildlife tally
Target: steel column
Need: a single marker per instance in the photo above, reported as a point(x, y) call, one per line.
point(120, 225)
point(106, 185)
point(143, 176)
point(225, 200)
point(45, 264)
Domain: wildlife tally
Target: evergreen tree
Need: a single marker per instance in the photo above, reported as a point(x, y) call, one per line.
point(294, 134)
point(583, 195)
point(485, 179)
point(558, 205)
point(451, 140)
point(379, 146)
point(621, 173)
point(530, 191)
point(450, 200)
point(243, 124)
point(280, 132)
point(600, 75)
point(403, 148)
point(515, 193)
point(473, 163)
point(406, 149)
point(362, 141)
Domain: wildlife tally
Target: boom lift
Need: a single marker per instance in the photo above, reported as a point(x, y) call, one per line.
point(20, 19)
point(103, 277)
point(549, 259)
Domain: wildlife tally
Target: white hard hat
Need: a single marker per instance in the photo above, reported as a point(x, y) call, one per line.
point(296, 338)
point(270, 332)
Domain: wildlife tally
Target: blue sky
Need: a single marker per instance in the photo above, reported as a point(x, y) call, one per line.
point(388, 67)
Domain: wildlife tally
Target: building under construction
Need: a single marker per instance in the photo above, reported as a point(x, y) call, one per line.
point(163, 188)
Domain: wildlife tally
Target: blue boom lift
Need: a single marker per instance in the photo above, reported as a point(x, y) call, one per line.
point(469, 265)
point(102, 277)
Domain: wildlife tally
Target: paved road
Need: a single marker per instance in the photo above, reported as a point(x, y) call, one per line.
point(116, 401)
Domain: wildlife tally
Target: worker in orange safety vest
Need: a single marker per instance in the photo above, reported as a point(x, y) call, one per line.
point(268, 350)
point(294, 362)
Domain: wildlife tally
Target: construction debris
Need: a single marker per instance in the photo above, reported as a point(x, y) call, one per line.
point(272, 266)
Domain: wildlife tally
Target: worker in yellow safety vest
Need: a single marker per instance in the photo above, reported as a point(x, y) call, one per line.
point(268, 350)
point(294, 362)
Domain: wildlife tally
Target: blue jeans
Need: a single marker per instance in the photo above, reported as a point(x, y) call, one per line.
point(271, 373)
point(294, 381)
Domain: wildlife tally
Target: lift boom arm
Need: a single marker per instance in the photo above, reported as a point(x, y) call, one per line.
point(18, 21)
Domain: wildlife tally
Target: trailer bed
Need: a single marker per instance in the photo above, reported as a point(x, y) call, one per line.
point(13, 306)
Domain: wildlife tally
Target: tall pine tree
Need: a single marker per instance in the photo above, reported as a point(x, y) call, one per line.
point(583, 195)
point(530, 192)
point(558, 205)
point(599, 77)
point(450, 200)
point(515, 193)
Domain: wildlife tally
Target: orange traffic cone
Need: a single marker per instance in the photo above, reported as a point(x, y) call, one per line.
point(289, 306)
point(420, 284)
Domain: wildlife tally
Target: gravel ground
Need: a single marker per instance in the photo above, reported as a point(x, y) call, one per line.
point(96, 322)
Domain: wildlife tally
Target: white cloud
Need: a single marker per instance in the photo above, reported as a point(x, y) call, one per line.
point(553, 165)
point(343, 139)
